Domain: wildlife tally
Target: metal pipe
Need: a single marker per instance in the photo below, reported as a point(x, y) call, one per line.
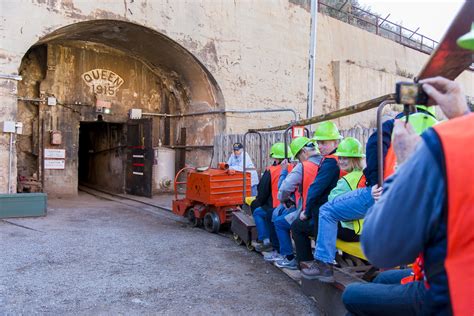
point(285, 140)
point(312, 53)
point(380, 140)
point(10, 159)
point(360, 107)
point(188, 146)
point(11, 77)
point(222, 112)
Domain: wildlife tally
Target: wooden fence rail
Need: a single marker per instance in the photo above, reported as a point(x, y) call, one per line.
point(223, 144)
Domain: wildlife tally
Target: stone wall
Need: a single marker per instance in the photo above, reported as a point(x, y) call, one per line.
point(246, 54)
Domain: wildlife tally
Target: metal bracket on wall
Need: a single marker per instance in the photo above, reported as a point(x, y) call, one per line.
point(11, 77)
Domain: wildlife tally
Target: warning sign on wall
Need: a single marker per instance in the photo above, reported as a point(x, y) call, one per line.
point(102, 81)
point(54, 164)
point(54, 153)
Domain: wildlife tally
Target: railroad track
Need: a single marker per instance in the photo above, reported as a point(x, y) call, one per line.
point(327, 296)
point(152, 208)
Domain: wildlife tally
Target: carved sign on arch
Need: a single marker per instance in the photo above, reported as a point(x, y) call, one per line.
point(102, 81)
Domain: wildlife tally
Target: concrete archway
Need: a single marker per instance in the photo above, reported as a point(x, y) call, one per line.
point(151, 72)
point(149, 46)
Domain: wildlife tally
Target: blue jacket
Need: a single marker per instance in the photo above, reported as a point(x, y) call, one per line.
point(409, 219)
point(371, 171)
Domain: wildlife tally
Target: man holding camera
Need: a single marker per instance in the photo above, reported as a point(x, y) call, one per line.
point(428, 207)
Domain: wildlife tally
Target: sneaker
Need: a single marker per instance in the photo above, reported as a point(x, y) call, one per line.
point(306, 264)
point(272, 256)
point(287, 264)
point(319, 270)
point(262, 247)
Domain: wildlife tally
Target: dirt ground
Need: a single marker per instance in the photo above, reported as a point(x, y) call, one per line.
point(93, 256)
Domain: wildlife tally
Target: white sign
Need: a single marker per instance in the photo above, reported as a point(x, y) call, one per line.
point(53, 164)
point(298, 131)
point(102, 81)
point(54, 153)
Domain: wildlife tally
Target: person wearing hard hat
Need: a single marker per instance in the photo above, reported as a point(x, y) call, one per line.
point(348, 207)
point(299, 179)
point(267, 200)
point(325, 179)
point(430, 199)
point(236, 162)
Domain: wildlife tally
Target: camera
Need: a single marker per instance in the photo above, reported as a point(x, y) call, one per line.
point(410, 93)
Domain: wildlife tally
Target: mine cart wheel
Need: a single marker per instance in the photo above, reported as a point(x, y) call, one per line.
point(249, 246)
point(237, 239)
point(211, 222)
point(193, 220)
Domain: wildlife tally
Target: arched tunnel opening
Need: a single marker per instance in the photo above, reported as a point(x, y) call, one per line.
point(79, 86)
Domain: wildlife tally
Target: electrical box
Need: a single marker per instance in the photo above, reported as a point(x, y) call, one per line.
point(135, 114)
point(52, 101)
point(19, 128)
point(23, 205)
point(7, 127)
point(56, 138)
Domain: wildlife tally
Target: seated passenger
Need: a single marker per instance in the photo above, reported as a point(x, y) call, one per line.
point(236, 162)
point(354, 204)
point(409, 295)
point(299, 178)
point(351, 160)
point(283, 209)
point(385, 295)
point(266, 200)
point(317, 188)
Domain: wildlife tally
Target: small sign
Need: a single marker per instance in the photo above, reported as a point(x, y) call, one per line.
point(54, 153)
point(102, 81)
point(54, 164)
point(103, 103)
point(297, 131)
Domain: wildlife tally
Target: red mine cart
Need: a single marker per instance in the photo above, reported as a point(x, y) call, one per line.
point(211, 196)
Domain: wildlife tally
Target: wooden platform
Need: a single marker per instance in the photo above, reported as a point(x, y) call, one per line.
point(328, 296)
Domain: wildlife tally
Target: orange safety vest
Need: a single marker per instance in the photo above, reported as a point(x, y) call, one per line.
point(457, 139)
point(310, 171)
point(389, 163)
point(275, 172)
point(362, 182)
point(418, 273)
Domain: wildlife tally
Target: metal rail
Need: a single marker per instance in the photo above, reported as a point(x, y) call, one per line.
point(165, 115)
point(360, 107)
point(424, 44)
point(380, 140)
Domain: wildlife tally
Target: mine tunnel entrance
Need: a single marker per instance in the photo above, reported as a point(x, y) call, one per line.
point(108, 68)
point(102, 155)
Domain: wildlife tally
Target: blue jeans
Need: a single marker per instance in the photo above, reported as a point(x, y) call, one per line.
point(260, 217)
point(282, 227)
point(385, 295)
point(346, 207)
point(265, 227)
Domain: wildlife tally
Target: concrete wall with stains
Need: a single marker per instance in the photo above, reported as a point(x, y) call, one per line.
point(75, 75)
point(250, 54)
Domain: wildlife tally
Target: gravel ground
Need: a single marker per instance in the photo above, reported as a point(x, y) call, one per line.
point(91, 256)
